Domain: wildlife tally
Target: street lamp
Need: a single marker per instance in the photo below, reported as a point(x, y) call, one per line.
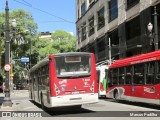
point(150, 27)
point(14, 23)
point(153, 37)
point(7, 100)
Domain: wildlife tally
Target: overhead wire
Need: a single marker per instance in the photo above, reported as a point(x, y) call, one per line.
point(30, 5)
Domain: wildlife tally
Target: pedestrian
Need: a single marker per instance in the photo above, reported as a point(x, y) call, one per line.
point(3, 87)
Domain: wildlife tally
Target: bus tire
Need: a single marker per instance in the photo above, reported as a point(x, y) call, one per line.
point(31, 96)
point(116, 96)
point(42, 103)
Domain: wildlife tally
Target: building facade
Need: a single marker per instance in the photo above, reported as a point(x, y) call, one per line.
point(124, 22)
point(45, 35)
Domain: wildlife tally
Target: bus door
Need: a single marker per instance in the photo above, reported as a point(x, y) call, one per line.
point(35, 88)
point(98, 78)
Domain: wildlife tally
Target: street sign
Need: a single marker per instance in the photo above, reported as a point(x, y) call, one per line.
point(7, 67)
point(11, 74)
point(25, 59)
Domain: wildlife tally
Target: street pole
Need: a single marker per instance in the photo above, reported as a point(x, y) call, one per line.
point(110, 62)
point(0, 48)
point(30, 64)
point(7, 100)
point(155, 29)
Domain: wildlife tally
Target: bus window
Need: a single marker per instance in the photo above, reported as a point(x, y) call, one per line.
point(121, 76)
point(69, 66)
point(128, 76)
point(109, 78)
point(114, 76)
point(150, 73)
point(139, 74)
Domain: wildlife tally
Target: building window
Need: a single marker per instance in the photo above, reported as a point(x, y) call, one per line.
point(78, 32)
point(83, 8)
point(91, 26)
point(113, 10)
point(83, 31)
point(131, 3)
point(133, 28)
point(113, 35)
point(101, 19)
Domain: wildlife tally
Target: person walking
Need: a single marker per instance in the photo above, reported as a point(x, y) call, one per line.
point(3, 87)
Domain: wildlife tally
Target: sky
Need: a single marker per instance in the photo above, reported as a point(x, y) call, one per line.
point(50, 15)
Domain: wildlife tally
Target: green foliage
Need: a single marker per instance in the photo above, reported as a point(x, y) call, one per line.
point(61, 41)
point(33, 46)
point(25, 23)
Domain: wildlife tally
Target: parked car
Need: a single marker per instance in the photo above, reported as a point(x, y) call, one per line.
point(19, 86)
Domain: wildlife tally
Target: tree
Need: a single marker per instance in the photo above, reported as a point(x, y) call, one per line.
point(25, 23)
point(61, 41)
point(65, 41)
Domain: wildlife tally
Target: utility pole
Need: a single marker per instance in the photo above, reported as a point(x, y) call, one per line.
point(7, 100)
point(30, 52)
point(155, 29)
point(0, 48)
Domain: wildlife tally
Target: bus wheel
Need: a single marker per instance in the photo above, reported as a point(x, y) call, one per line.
point(116, 96)
point(42, 103)
point(31, 95)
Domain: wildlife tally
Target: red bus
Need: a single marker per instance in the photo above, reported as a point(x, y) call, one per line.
point(64, 79)
point(135, 79)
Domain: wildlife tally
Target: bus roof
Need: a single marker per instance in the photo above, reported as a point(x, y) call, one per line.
point(72, 53)
point(41, 63)
point(152, 56)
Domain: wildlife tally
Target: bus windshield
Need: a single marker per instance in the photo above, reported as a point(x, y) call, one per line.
point(73, 66)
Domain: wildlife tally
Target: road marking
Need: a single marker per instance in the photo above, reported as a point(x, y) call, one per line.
point(28, 108)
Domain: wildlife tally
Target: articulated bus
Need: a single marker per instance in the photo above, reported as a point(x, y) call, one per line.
point(102, 69)
point(64, 79)
point(135, 79)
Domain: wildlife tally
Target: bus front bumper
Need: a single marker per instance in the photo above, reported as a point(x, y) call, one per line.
point(72, 100)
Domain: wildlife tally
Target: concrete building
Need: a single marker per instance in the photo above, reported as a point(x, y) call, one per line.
point(45, 35)
point(124, 22)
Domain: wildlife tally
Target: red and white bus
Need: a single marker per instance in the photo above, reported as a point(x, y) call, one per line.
point(64, 79)
point(135, 79)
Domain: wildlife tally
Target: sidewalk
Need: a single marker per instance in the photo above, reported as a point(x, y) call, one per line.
point(21, 105)
point(20, 101)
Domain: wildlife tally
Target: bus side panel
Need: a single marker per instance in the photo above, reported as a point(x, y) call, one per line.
point(94, 74)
